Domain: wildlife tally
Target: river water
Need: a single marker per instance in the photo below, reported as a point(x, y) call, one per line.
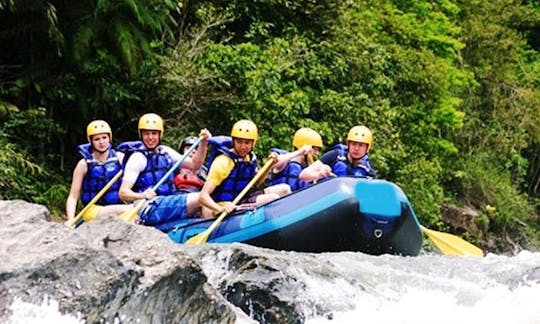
point(355, 287)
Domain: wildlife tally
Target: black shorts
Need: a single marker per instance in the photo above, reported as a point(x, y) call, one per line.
point(251, 197)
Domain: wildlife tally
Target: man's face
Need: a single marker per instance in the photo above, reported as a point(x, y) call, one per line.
point(100, 142)
point(242, 146)
point(150, 138)
point(357, 150)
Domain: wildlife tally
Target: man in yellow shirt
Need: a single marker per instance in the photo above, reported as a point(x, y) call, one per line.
point(232, 170)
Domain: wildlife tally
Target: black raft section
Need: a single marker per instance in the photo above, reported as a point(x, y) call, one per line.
point(342, 227)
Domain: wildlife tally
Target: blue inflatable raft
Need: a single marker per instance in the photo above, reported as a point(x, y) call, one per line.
point(341, 214)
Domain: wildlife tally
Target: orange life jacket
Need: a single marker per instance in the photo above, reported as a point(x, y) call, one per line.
point(185, 179)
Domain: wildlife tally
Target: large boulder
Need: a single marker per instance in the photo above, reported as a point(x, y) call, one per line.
point(105, 271)
point(461, 217)
point(273, 286)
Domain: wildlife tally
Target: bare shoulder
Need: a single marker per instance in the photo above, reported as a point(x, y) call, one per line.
point(136, 161)
point(81, 168)
point(121, 156)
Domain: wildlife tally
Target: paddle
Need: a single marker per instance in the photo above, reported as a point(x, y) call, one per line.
point(79, 216)
point(450, 244)
point(203, 237)
point(130, 215)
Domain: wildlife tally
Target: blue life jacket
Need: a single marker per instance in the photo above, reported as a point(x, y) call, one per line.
point(289, 175)
point(342, 167)
point(98, 175)
point(240, 175)
point(157, 165)
point(214, 144)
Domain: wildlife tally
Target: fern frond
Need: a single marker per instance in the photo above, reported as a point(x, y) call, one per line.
point(82, 41)
point(126, 44)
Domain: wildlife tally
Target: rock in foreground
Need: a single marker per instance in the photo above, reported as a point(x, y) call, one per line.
point(105, 271)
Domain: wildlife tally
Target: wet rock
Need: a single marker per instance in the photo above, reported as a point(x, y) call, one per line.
point(266, 284)
point(106, 270)
point(110, 271)
point(461, 217)
point(260, 298)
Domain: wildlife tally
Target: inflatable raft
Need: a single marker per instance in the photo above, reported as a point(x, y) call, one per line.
point(340, 214)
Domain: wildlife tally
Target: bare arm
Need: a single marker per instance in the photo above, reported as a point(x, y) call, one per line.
point(76, 184)
point(315, 171)
point(207, 201)
point(134, 166)
point(125, 193)
point(200, 155)
point(120, 156)
point(196, 162)
point(283, 159)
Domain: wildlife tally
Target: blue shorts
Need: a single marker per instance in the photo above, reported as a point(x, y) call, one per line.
point(164, 210)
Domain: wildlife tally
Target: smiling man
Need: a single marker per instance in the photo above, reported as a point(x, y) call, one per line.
point(232, 170)
point(151, 161)
point(147, 165)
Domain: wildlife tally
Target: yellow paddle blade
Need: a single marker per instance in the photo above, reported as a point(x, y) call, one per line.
point(199, 238)
point(450, 244)
point(130, 215)
point(127, 215)
point(203, 237)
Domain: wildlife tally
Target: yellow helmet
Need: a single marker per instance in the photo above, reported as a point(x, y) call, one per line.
point(306, 136)
point(151, 122)
point(245, 129)
point(361, 134)
point(98, 127)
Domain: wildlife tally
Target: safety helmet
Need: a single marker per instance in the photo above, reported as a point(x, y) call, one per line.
point(151, 122)
point(361, 134)
point(98, 127)
point(306, 136)
point(245, 129)
point(187, 141)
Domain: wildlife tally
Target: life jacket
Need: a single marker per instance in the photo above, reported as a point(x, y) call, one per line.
point(240, 175)
point(342, 167)
point(289, 175)
point(98, 175)
point(157, 165)
point(215, 146)
point(187, 181)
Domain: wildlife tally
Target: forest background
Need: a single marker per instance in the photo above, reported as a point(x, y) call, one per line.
point(450, 89)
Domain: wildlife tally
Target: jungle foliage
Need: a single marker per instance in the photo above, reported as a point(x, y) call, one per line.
point(450, 89)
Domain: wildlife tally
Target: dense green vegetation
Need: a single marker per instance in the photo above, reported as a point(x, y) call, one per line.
point(450, 89)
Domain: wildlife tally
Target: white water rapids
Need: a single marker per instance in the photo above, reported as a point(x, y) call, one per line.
point(355, 287)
